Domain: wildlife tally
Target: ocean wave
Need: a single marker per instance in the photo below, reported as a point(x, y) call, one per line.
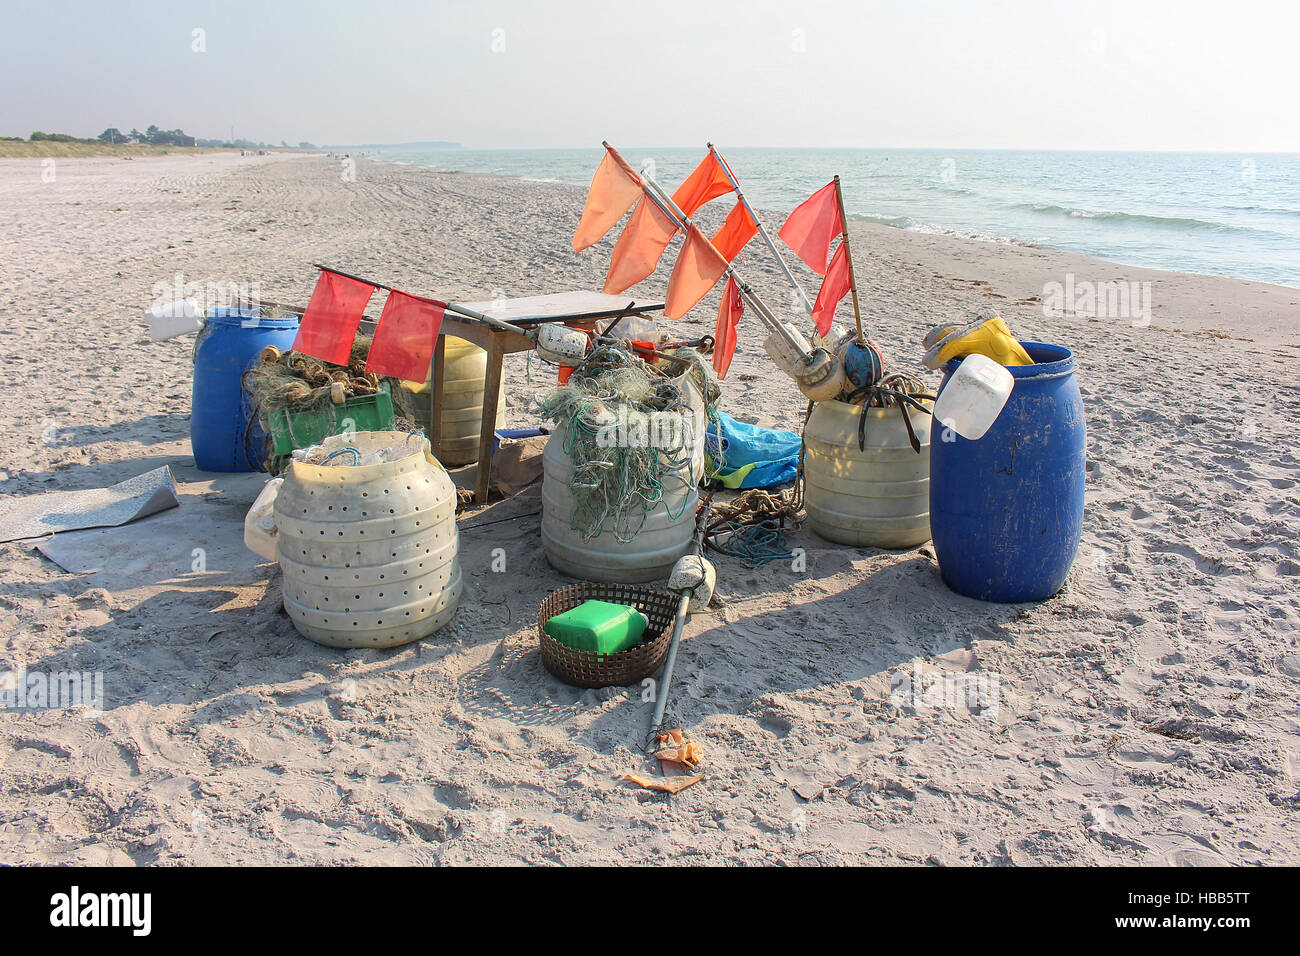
point(908, 224)
point(1173, 222)
point(1270, 209)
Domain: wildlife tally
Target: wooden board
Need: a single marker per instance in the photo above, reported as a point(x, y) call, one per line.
point(575, 306)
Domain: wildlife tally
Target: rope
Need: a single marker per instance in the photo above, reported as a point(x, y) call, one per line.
point(751, 527)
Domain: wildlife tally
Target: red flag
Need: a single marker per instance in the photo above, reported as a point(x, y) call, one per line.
point(613, 190)
point(834, 287)
point(406, 336)
point(735, 232)
point(708, 182)
point(811, 227)
point(330, 323)
point(730, 310)
point(698, 269)
point(639, 248)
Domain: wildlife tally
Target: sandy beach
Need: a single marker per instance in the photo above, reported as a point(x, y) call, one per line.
point(1147, 714)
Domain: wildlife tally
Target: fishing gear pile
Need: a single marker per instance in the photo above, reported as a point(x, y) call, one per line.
point(296, 382)
point(291, 382)
point(629, 427)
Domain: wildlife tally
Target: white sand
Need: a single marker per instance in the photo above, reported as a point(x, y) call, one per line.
point(1147, 713)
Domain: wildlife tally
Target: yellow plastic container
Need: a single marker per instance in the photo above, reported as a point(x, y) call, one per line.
point(878, 497)
point(985, 336)
point(465, 369)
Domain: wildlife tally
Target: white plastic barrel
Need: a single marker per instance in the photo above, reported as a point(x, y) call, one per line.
point(878, 497)
point(464, 370)
point(669, 527)
point(369, 552)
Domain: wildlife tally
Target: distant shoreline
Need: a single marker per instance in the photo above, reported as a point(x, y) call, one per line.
point(10, 149)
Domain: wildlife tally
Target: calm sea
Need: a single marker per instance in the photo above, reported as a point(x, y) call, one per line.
point(1213, 213)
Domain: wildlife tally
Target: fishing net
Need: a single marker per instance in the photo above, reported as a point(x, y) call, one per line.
point(293, 382)
point(630, 429)
point(297, 382)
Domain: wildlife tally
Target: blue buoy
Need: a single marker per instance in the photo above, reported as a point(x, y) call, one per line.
point(228, 345)
point(1006, 512)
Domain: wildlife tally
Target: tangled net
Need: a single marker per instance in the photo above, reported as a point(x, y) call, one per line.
point(297, 382)
point(291, 381)
point(629, 428)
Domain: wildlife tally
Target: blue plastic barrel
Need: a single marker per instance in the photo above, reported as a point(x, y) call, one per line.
point(1006, 512)
point(228, 345)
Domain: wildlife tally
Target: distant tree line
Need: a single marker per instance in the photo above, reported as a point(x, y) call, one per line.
point(154, 137)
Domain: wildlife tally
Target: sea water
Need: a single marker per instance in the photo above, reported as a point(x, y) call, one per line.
point(1225, 214)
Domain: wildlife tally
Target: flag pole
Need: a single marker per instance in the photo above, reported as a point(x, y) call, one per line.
point(762, 230)
point(448, 306)
point(683, 222)
point(853, 279)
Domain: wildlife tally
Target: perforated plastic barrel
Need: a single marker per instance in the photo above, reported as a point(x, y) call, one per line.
point(369, 553)
point(1007, 510)
point(876, 497)
point(464, 368)
point(650, 555)
point(224, 435)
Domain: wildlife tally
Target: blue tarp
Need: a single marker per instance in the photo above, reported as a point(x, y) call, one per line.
point(751, 457)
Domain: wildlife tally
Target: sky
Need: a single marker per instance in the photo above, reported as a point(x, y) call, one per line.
point(946, 74)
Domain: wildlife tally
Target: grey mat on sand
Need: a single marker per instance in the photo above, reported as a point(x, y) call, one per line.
point(199, 543)
point(39, 515)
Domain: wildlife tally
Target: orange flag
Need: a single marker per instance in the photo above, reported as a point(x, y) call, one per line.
point(613, 190)
point(708, 182)
point(333, 315)
point(698, 269)
point(637, 252)
point(730, 309)
point(739, 228)
point(811, 227)
point(405, 337)
point(834, 287)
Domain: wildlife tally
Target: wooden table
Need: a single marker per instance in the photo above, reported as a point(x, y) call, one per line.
point(579, 309)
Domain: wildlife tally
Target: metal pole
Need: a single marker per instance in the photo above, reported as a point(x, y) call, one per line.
point(762, 230)
point(683, 221)
point(679, 622)
point(449, 306)
point(853, 279)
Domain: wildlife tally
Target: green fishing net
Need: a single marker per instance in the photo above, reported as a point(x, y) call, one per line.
point(630, 431)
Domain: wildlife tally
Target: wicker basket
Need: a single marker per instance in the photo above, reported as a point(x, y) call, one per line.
point(583, 669)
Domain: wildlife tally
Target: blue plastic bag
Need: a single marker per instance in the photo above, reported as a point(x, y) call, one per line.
point(750, 456)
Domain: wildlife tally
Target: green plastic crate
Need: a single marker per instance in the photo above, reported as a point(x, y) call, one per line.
point(365, 413)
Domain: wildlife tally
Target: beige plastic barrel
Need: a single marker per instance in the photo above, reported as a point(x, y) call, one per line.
point(666, 535)
point(465, 368)
point(369, 552)
point(878, 497)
